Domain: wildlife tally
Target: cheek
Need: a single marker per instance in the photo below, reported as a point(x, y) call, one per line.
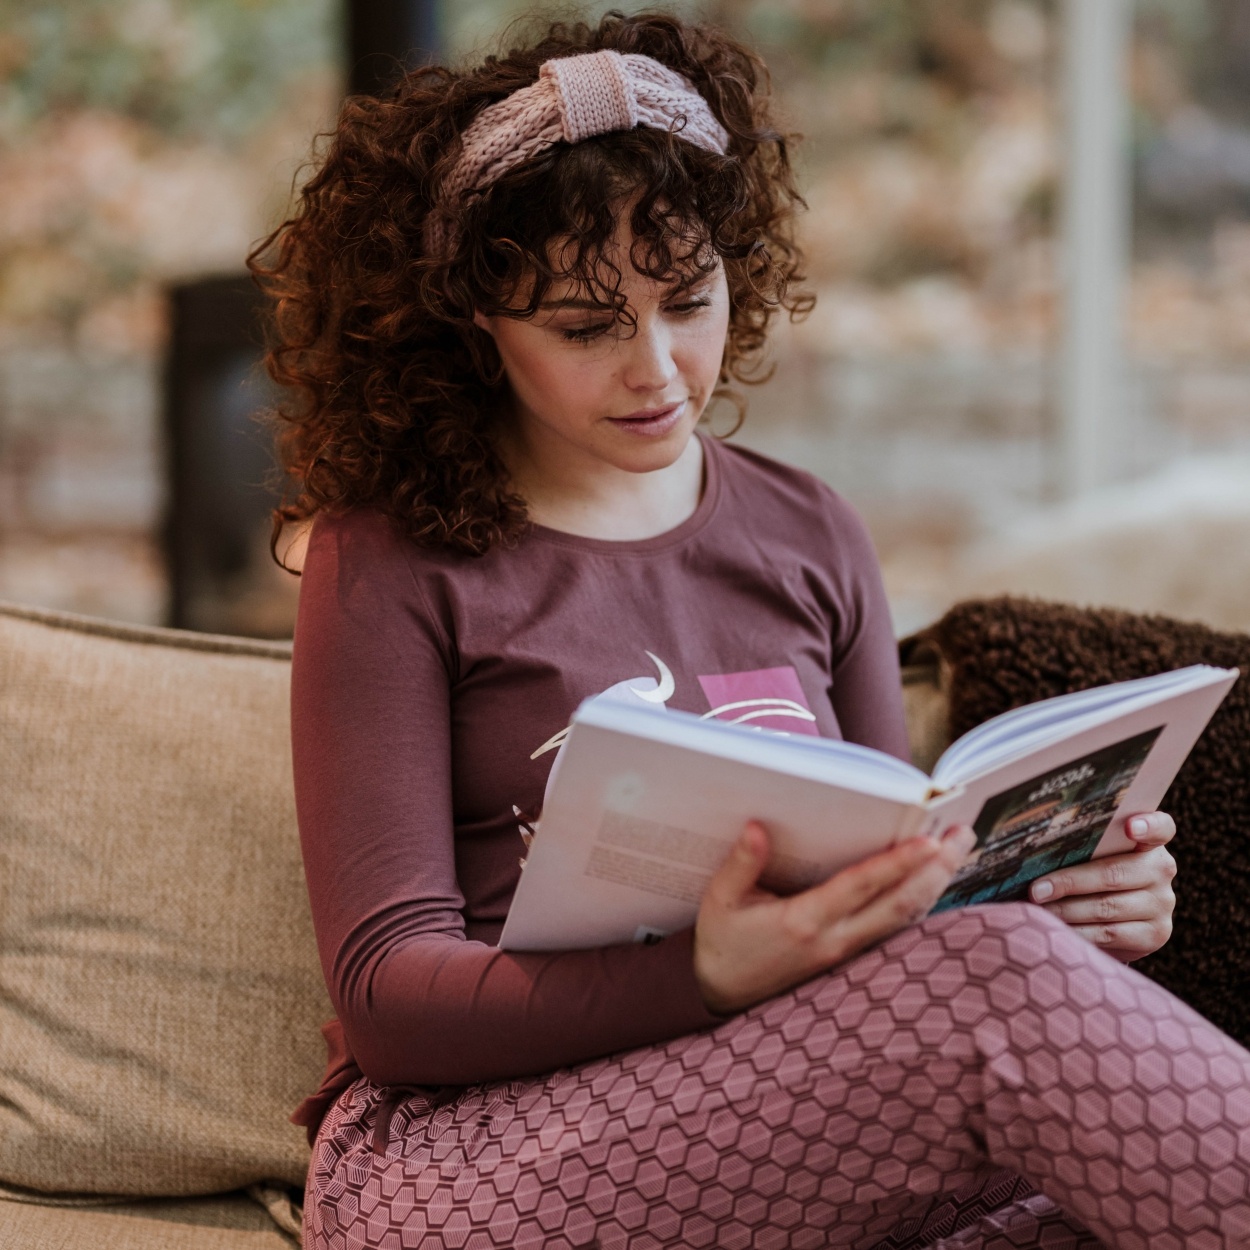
point(527, 358)
point(549, 377)
point(706, 345)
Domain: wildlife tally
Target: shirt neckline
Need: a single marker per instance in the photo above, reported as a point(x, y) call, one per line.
point(679, 534)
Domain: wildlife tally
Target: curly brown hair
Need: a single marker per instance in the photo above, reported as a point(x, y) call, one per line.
point(392, 390)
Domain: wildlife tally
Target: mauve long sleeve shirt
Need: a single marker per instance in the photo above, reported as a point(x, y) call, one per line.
point(426, 687)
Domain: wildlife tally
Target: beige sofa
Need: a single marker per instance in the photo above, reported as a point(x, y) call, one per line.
point(160, 994)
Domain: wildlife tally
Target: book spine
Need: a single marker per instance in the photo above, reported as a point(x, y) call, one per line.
point(935, 817)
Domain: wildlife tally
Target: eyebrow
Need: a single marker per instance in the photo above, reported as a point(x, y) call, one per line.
point(590, 305)
point(575, 303)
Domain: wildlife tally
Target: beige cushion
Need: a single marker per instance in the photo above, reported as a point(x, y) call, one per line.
point(159, 990)
point(231, 1223)
point(160, 994)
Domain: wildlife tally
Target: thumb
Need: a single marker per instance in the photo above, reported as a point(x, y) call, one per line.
point(737, 876)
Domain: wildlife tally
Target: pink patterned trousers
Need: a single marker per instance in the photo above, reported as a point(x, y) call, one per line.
point(985, 1080)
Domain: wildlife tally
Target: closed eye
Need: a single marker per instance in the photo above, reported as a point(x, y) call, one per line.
point(587, 333)
point(584, 334)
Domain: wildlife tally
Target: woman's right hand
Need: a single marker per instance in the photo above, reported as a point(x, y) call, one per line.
point(750, 944)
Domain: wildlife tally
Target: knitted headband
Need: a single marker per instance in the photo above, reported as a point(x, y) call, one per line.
point(575, 97)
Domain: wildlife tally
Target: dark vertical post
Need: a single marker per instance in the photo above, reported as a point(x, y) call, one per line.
point(387, 37)
point(219, 458)
point(218, 455)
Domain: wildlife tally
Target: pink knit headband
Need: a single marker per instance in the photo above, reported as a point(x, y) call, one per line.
point(575, 97)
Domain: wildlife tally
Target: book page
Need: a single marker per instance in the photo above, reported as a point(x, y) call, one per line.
point(633, 830)
point(1047, 821)
point(1023, 730)
point(1068, 802)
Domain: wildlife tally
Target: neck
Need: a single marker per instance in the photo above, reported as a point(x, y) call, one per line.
point(587, 496)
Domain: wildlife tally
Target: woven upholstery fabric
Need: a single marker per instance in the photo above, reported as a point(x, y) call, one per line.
point(996, 654)
point(228, 1223)
point(160, 992)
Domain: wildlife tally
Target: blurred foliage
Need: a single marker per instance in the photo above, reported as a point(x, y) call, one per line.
point(1188, 21)
point(187, 68)
point(914, 65)
point(471, 27)
point(1210, 41)
point(945, 38)
point(901, 35)
point(151, 139)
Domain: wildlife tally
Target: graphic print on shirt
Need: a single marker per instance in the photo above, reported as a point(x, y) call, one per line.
point(763, 698)
point(772, 698)
point(650, 690)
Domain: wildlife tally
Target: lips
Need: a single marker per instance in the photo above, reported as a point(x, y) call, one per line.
point(653, 421)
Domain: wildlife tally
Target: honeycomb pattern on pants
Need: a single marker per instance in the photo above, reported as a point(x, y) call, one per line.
point(985, 1079)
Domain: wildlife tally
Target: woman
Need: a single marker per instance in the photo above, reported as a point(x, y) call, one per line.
point(504, 304)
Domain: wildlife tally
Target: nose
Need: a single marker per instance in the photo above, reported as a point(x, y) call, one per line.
point(648, 357)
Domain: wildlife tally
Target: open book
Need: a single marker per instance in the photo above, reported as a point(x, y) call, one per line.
point(643, 803)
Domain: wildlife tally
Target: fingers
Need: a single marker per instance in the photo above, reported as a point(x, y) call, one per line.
point(1131, 871)
point(879, 896)
point(1151, 829)
point(750, 943)
point(957, 842)
point(1128, 941)
point(737, 876)
point(848, 891)
point(910, 900)
point(1122, 903)
point(1109, 909)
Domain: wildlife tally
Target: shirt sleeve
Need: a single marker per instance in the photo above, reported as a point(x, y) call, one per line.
point(867, 686)
point(420, 1003)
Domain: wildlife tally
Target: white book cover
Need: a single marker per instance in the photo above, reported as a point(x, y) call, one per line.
point(642, 805)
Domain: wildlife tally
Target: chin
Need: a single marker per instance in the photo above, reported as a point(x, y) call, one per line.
point(638, 453)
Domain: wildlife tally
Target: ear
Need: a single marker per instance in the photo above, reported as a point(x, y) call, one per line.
point(482, 322)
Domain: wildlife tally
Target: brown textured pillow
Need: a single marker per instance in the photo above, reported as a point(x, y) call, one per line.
point(159, 985)
point(1001, 653)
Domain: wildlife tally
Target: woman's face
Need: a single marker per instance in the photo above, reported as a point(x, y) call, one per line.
point(589, 389)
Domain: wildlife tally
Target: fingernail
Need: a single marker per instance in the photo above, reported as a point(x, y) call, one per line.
point(1042, 890)
point(1138, 827)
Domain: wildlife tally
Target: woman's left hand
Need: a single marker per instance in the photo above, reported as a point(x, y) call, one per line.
point(1121, 903)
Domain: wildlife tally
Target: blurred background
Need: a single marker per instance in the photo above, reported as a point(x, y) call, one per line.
point(1028, 228)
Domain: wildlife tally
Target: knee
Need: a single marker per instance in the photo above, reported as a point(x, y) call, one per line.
point(998, 918)
point(1000, 937)
point(997, 966)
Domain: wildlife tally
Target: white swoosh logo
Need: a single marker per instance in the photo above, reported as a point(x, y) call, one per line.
point(664, 691)
point(556, 740)
point(801, 714)
point(783, 707)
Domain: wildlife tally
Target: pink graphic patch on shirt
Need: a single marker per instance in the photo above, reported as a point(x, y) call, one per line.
point(766, 698)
